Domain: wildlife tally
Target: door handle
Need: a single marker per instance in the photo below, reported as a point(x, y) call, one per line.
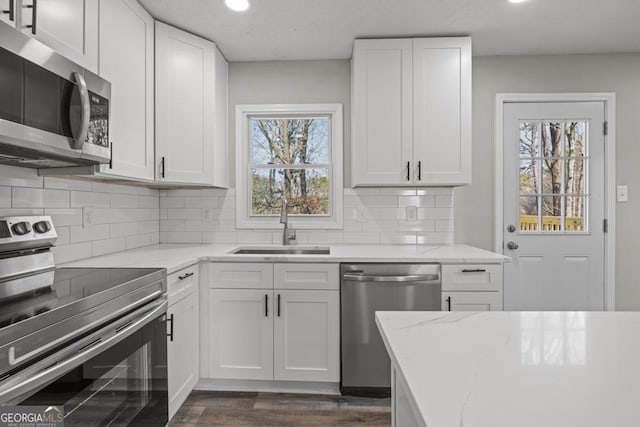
point(419, 170)
point(186, 276)
point(266, 305)
point(512, 246)
point(412, 278)
point(408, 171)
point(448, 303)
point(278, 305)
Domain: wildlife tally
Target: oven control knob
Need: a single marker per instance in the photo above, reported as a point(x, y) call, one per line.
point(21, 228)
point(42, 226)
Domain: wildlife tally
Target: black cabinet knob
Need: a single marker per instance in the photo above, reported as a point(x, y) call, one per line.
point(42, 226)
point(21, 228)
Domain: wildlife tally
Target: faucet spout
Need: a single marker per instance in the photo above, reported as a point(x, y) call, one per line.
point(287, 235)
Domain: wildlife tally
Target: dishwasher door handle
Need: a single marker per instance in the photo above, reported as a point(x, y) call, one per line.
point(410, 278)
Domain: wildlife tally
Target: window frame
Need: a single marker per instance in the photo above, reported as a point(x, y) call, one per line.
point(244, 219)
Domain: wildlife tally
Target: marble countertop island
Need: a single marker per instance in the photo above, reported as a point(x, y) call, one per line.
point(507, 369)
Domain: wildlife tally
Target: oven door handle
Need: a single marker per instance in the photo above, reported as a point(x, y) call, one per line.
point(32, 378)
point(13, 360)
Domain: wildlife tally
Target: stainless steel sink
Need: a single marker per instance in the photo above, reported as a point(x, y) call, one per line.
point(282, 251)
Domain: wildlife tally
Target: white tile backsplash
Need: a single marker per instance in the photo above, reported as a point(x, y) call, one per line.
point(371, 216)
point(121, 217)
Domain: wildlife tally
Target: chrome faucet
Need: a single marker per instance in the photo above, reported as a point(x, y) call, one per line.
point(287, 235)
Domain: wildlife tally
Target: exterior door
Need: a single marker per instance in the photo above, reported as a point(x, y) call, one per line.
point(554, 186)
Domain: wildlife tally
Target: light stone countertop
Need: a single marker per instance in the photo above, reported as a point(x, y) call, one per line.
point(525, 369)
point(175, 257)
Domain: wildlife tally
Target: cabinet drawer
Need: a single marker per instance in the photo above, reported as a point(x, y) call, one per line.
point(306, 276)
point(472, 277)
point(471, 301)
point(241, 275)
point(182, 283)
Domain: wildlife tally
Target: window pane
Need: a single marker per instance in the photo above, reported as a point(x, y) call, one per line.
point(551, 213)
point(552, 176)
point(306, 191)
point(290, 141)
point(529, 139)
point(529, 176)
point(574, 172)
point(575, 220)
point(552, 139)
point(575, 138)
point(529, 213)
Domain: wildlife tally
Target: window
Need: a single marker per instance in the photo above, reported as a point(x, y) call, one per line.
point(291, 152)
point(553, 176)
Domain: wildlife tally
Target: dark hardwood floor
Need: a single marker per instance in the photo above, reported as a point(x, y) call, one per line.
point(280, 409)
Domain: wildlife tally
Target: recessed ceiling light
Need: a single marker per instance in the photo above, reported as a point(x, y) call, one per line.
point(237, 5)
point(517, 1)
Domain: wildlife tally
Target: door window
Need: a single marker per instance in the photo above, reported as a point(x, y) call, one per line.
point(553, 176)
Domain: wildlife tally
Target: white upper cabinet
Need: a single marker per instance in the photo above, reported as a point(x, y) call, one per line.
point(382, 131)
point(411, 119)
point(191, 109)
point(70, 27)
point(8, 12)
point(126, 60)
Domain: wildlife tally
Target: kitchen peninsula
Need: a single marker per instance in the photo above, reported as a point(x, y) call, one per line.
point(500, 369)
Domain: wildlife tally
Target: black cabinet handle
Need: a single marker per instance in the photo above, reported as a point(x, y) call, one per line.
point(266, 305)
point(111, 156)
point(408, 171)
point(170, 334)
point(34, 9)
point(448, 303)
point(162, 167)
point(474, 270)
point(185, 276)
point(278, 305)
point(11, 11)
point(419, 170)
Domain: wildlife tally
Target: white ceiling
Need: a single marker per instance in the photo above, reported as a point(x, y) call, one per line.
point(322, 29)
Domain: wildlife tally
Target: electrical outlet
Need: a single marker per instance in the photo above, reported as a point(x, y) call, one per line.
point(87, 217)
point(622, 193)
point(207, 214)
point(412, 213)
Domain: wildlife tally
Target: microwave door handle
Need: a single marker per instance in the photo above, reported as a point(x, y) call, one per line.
point(80, 135)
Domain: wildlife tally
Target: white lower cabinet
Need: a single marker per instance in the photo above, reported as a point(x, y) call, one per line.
point(306, 326)
point(241, 334)
point(471, 301)
point(182, 340)
point(472, 287)
point(281, 334)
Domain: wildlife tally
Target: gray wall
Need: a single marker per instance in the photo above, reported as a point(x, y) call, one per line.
point(289, 82)
point(329, 81)
point(619, 73)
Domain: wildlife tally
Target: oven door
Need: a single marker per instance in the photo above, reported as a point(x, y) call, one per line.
point(114, 377)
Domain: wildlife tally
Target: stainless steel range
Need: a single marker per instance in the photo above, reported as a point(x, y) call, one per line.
point(92, 340)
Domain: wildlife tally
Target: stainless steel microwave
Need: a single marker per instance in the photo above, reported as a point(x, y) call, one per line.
point(53, 112)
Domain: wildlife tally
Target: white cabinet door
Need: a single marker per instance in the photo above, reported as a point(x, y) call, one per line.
point(442, 110)
point(381, 133)
point(126, 60)
point(307, 335)
point(8, 12)
point(471, 301)
point(70, 27)
point(188, 143)
point(182, 350)
point(241, 334)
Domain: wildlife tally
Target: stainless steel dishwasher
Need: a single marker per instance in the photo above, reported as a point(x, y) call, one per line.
point(365, 289)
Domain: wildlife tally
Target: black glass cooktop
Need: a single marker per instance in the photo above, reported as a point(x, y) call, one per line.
point(42, 292)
